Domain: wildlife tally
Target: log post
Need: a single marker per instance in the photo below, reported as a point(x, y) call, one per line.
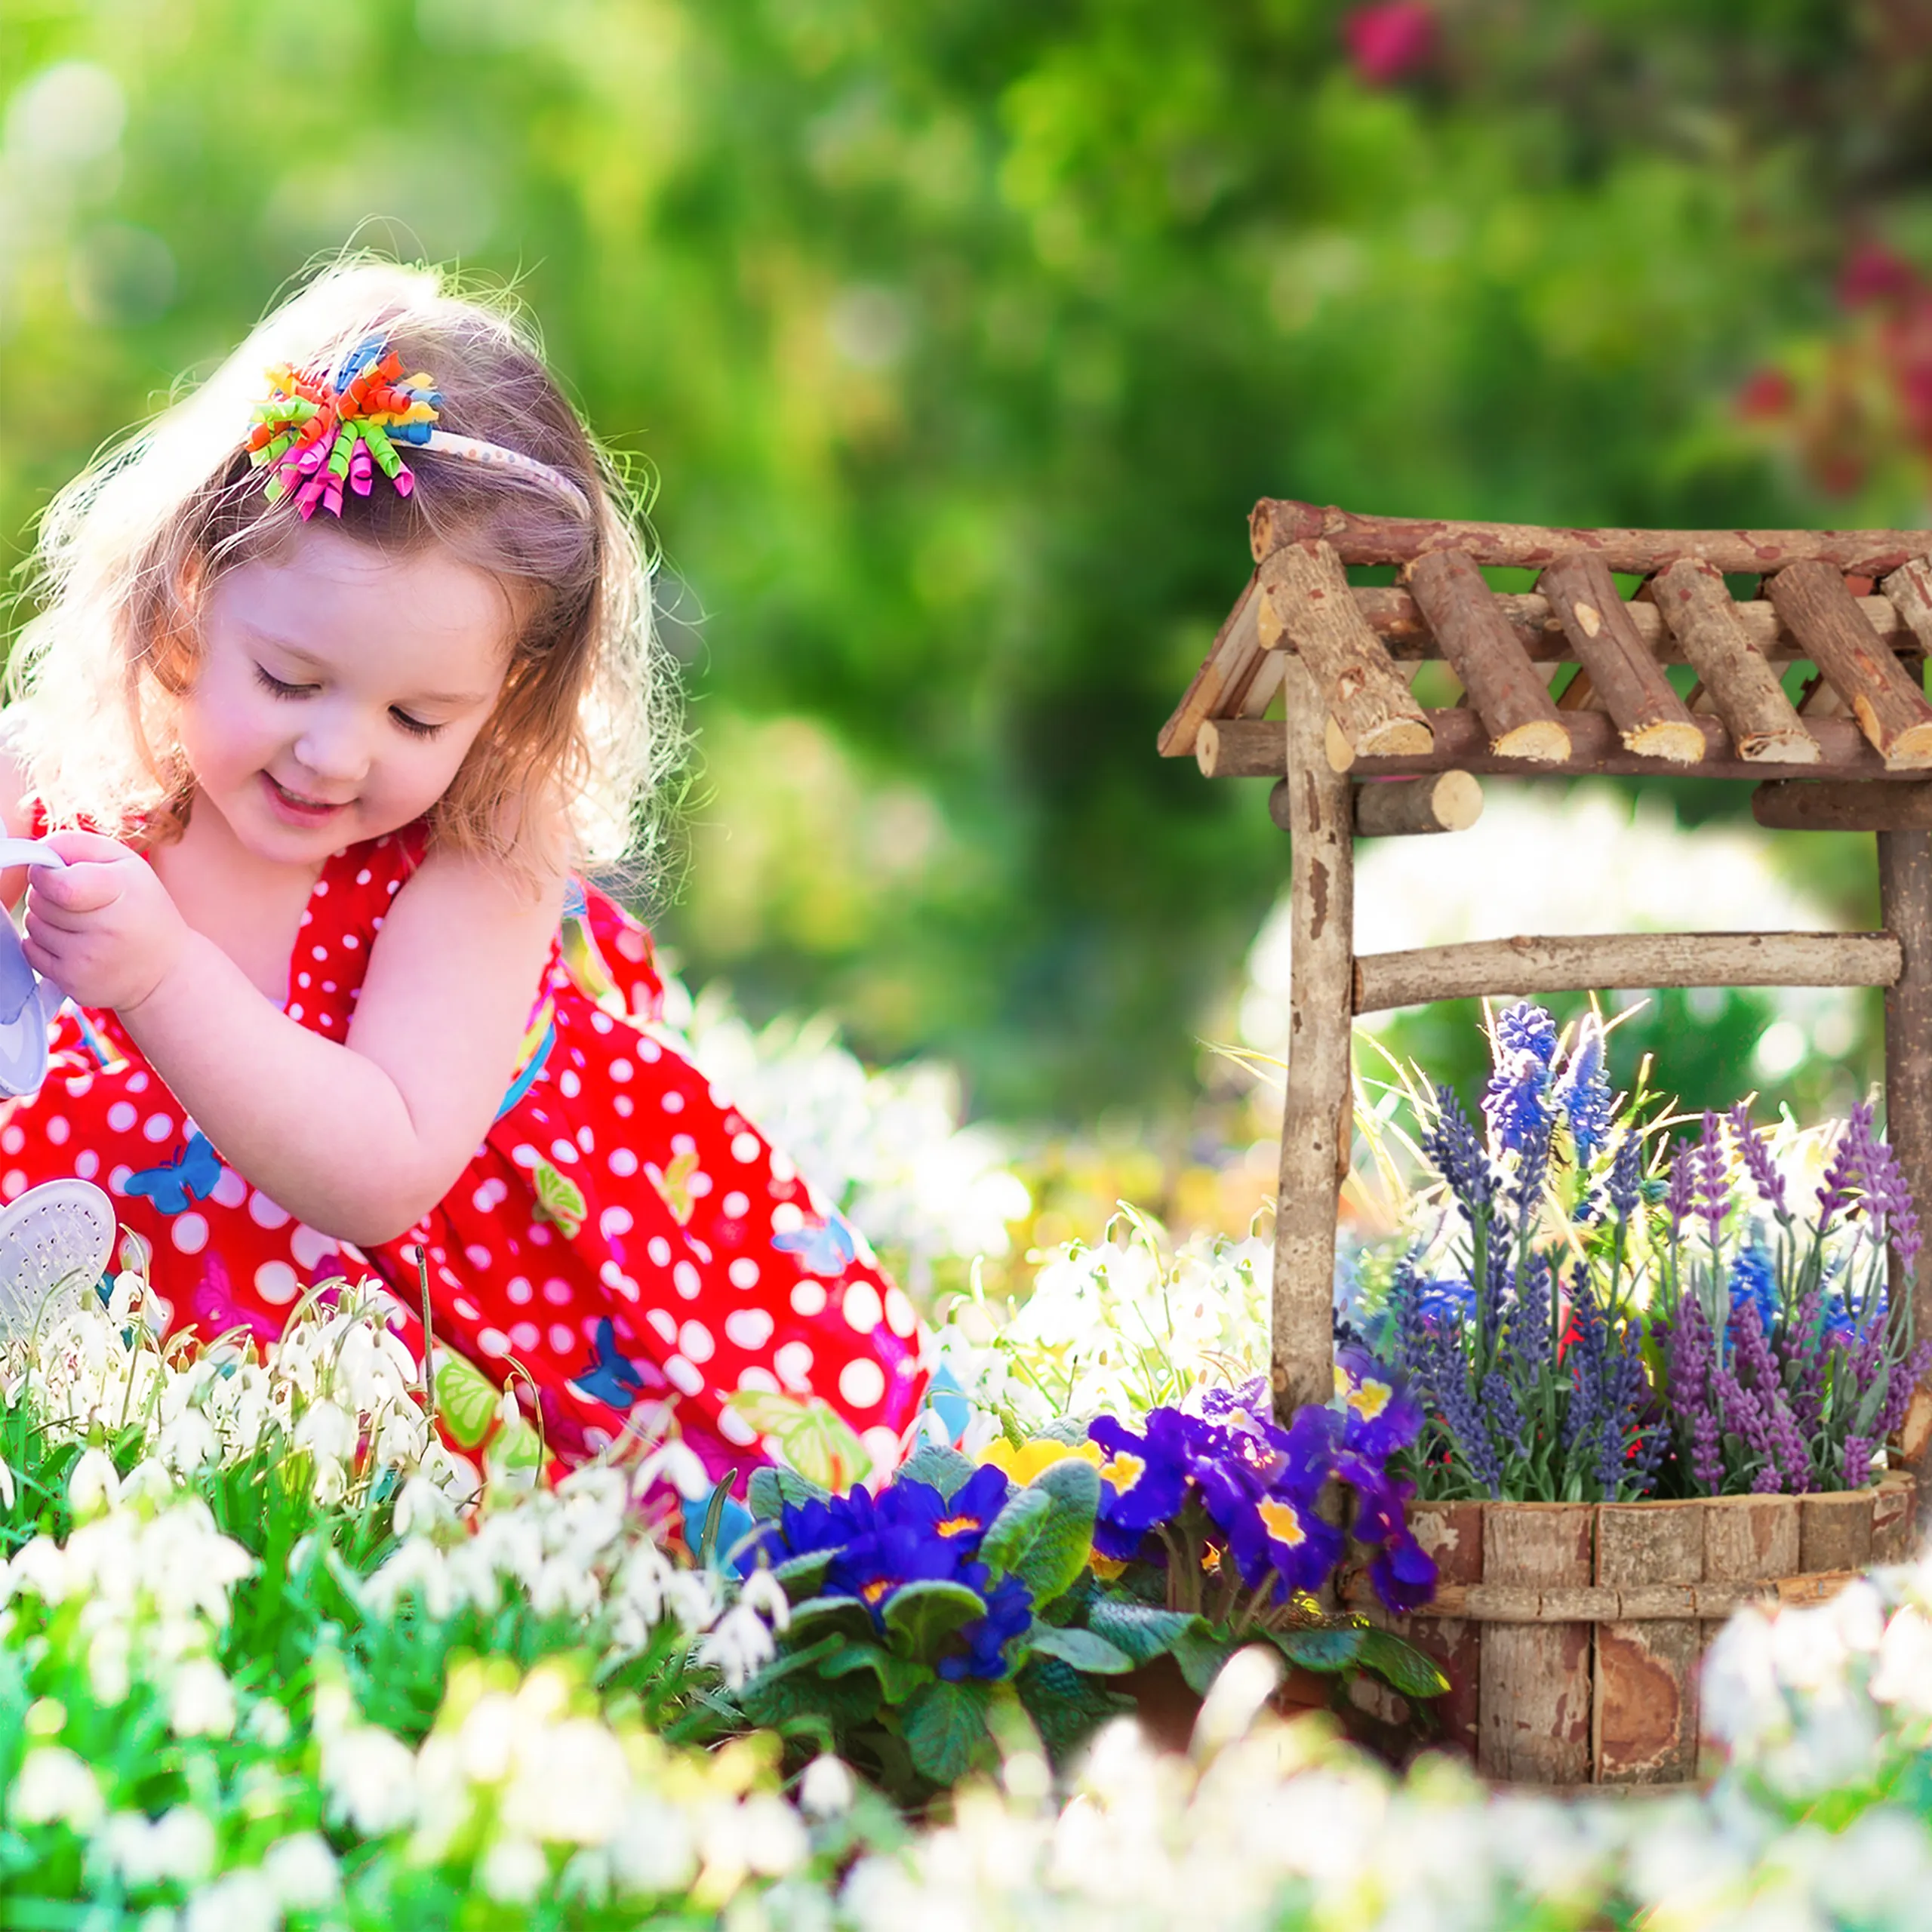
point(1744, 689)
point(1400, 807)
point(1650, 716)
point(1307, 605)
point(1317, 1109)
point(1886, 701)
point(1800, 804)
point(1904, 904)
point(1908, 590)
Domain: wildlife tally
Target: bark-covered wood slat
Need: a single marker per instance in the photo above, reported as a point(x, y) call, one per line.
point(1800, 804)
point(1397, 539)
point(1230, 664)
point(1507, 690)
point(1318, 1104)
point(1908, 590)
point(1534, 1720)
point(1888, 704)
point(1644, 1702)
point(1744, 689)
point(1600, 961)
point(1306, 605)
point(1239, 748)
point(1652, 719)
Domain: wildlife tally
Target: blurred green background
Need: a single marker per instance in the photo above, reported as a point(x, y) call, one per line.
point(962, 336)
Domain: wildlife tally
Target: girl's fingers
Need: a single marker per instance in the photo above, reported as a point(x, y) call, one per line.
point(82, 887)
point(83, 847)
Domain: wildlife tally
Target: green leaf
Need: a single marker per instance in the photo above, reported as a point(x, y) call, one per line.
point(1066, 1708)
point(770, 1489)
point(1143, 1632)
point(945, 1729)
point(1015, 1529)
point(847, 1615)
point(898, 1677)
point(946, 1470)
point(1059, 1554)
point(1400, 1664)
point(559, 1199)
point(799, 1576)
point(1333, 1649)
point(1080, 1648)
point(1201, 1653)
point(466, 1400)
point(921, 1616)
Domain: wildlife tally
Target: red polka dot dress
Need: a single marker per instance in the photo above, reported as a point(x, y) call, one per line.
point(623, 1235)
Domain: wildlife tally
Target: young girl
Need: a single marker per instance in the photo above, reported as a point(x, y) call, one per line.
point(342, 673)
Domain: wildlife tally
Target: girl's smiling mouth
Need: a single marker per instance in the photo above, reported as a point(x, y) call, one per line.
point(295, 807)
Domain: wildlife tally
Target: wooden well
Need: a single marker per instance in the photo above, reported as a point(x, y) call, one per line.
point(1308, 684)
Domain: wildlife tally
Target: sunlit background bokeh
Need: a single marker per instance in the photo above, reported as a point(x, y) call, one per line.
point(959, 338)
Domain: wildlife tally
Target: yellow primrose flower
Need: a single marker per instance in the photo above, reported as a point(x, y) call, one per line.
point(1021, 1464)
point(1105, 1567)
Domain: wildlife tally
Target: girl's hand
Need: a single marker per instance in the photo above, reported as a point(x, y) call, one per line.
point(104, 929)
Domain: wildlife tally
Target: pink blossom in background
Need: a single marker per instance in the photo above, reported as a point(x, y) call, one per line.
point(1390, 40)
point(1872, 273)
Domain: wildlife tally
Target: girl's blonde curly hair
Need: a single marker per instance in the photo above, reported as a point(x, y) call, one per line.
point(587, 716)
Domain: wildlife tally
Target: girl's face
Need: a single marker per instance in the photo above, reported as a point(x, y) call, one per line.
point(339, 687)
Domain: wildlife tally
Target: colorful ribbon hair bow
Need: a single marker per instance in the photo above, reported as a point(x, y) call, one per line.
point(313, 433)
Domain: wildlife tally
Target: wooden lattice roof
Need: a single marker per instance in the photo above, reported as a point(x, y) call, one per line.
point(1855, 604)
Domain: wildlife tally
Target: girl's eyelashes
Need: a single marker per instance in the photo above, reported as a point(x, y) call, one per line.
point(416, 727)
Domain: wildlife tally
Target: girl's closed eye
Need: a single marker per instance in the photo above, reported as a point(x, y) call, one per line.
point(276, 686)
point(416, 727)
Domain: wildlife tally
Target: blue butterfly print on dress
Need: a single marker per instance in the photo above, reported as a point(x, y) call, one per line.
point(827, 1250)
point(611, 1378)
point(189, 1177)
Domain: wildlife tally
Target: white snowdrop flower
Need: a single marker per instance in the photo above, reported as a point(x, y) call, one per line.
point(511, 1870)
point(93, 1484)
point(561, 1589)
point(238, 1901)
point(124, 1297)
point(691, 1596)
point(827, 1787)
point(302, 1872)
point(739, 1646)
point(763, 1592)
point(653, 1852)
point(188, 1444)
point(422, 1508)
point(331, 1483)
point(774, 1841)
point(150, 1481)
point(370, 1778)
point(327, 1431)
point(267, 1724)
point(201, 1701)
point(6, 1485)
point(110, 1664)
point(180, 1846)
point(54, 1785)
point(455, 1475)
point(676, 1463)
point(1904, 1677)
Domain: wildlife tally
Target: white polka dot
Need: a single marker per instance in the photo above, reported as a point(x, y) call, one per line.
point(743, 1272)
point(121, 1117)
point(87, 1163)
point(320, 952)
point(735, 1429)
point(490, 1196)
point(362, 877)
point(614, 1221)
point(782, 1168)
point(659, 1249)
point(808, 1298)
point(664, 1322)
point(684, 1279)
point(493, 1342)
point(568, 1084)
point(136, 1083)
point(650, 1052)
point(350, 942)
point(736, 1205)
point(392, 886)
point(623, 1105)
point(310, 1248)
point(882, 1446)
point(793, 1362)
point(230, 1190)
point(563, 1152)
point(786, 1218)
point(537, 1235)
point(673, 1102)
point(188, 1232)
point(622, 1162)
point(57, 1129)
point(526, 1335)
point(118, 1178)
point(518, 1289)
point(699, 1184)
point(329, 1019)
point(621, 1070)
point(295, 1013)
point(476, 1255)
point(328, 986)
point(862, 1382)
point(563, 1338)
point(308, 919)
point(684, 1374)
point(586, 1140)
point(13, 1182)
point(466, 1309)
point(694, 1338)
point(275, 1281)
point(683, 1143)
point(861, 1307)
point(302, 978)
point(755, 1377)
point(265, 1214)
point(899, 1317)
point(699, 1248)
point(524, 1155)
point(748, 1327)
point(557, 1290)
point(79, 1085)
point(322, 884)
point(158, 1128)
point(15, 1138)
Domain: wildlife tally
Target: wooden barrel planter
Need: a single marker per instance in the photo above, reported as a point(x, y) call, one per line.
point(1571, 1633)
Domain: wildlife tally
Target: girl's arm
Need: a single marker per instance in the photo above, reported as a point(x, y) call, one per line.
point(360, 1140)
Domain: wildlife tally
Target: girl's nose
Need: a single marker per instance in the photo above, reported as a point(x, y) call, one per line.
point(334, 750)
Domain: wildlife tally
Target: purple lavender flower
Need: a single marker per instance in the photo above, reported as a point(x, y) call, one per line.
point(1680, 1195)
point(1626, 1174)
point(1690, 1352)
point(1889, 1199)
point(1713, 1195)
point(1525, 1028)
point(1455, 1150)
point(1752, 1280)
point(1906, 1376)
point(1857, 1462)
point(1850, 1164)
point(1517, 1102)
point(1583, 1094)
point(1758, 1162)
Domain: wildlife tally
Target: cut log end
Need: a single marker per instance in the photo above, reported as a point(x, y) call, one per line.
point(1457, 801)
point(1398, 737)
point(1441, 801)
point(1676, 741)
point(1779, 748)
point(1910, 751)
point(1335, 742)
point(1543, 741)
point(1207, 748)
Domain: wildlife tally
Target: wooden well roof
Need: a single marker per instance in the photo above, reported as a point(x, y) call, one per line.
point(1569, 678)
